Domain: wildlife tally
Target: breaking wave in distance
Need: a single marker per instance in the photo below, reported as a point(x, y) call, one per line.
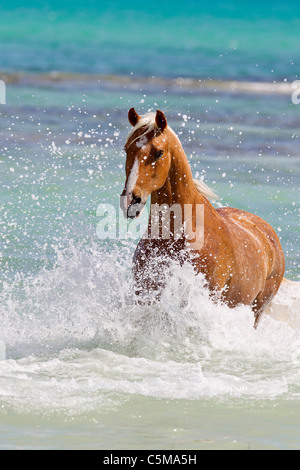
point(202, 85)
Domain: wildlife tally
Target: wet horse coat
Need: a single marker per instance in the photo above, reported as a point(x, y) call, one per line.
point(240, 254)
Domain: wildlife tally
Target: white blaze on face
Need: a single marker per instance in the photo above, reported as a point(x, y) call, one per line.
point(142, 142)
point(132, 179)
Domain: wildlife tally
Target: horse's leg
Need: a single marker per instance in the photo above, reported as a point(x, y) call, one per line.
point(262, 300)
point(257, 314)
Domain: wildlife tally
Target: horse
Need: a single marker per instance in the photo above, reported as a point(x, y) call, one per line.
point(239, 253)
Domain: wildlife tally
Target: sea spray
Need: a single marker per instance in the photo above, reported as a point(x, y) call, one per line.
point(2, 351)
point(88, 300)
point(79, 328)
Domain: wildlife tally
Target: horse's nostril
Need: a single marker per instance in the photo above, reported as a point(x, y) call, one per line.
point(136, 200)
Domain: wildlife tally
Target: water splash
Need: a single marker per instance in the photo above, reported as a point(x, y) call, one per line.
point(88, 300)
point(79, 341)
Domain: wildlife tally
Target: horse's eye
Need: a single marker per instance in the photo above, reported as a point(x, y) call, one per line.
point(159, 154)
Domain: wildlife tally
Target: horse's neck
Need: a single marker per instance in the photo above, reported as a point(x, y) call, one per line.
point(180, 188)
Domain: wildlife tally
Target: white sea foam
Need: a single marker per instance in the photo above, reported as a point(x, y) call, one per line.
point(77, 342)
point(2, 351)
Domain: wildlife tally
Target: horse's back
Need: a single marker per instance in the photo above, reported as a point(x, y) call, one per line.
point(257, 257)
point(251, 232)
point(239, 220)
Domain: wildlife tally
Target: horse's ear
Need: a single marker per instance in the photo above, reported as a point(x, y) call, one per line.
point(160, 120)
point(133, 117)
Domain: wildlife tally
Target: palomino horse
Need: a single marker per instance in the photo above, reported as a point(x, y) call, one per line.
point(239, 253)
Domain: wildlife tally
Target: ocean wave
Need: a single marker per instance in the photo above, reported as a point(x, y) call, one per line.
point(183, 83)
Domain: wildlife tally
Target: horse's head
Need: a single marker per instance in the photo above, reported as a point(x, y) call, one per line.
point(148, 160)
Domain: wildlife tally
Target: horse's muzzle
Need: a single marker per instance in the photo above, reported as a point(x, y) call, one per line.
point(131, 207)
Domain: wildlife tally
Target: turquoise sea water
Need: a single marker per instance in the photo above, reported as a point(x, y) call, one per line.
point(220, 40)
point(82, 365)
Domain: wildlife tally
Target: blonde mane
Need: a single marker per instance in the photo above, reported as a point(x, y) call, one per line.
point(205, 190)
point(148, 121)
